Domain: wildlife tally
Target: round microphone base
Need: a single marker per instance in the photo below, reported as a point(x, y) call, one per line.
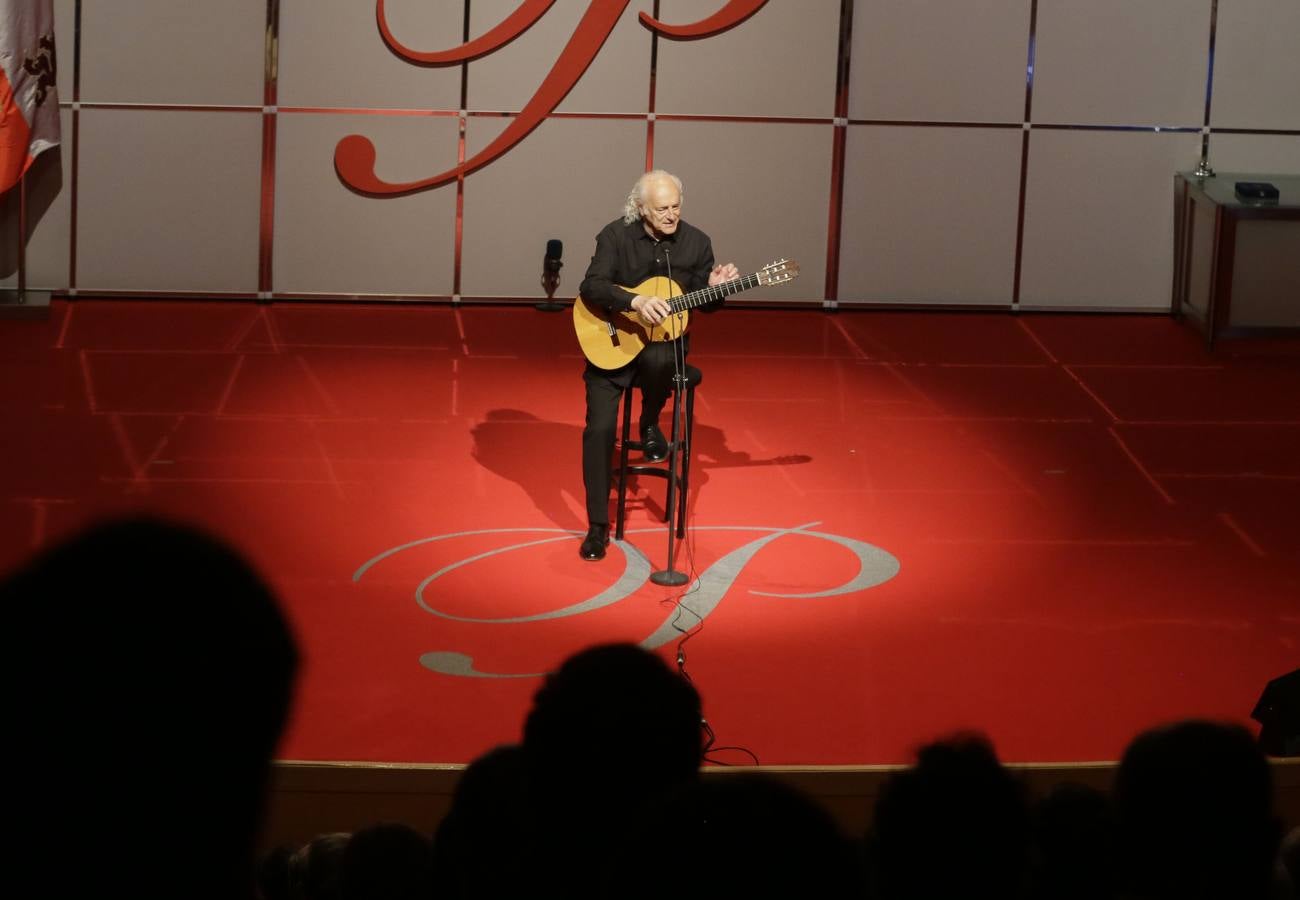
point(668, 578)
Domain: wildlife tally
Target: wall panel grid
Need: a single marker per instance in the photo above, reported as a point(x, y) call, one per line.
point(912, 152)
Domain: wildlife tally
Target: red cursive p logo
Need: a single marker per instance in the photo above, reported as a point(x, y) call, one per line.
point(354, 156)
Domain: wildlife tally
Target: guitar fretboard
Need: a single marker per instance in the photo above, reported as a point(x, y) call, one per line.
point(713, 292)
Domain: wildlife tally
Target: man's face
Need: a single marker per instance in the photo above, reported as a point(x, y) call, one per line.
point(662, 208)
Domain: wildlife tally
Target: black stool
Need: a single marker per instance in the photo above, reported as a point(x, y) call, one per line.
point(675, 467)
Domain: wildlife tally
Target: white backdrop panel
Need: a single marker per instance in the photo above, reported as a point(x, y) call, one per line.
point(565, 181)
point(332, 54)
point(168, 200)
point(779, 62)
point(1257, 65)
point(1274, 154)
point(330, 239)
point(617, 81)
point(1099, 218)
point(761, 191)
point(173, 51)
point(65, 32)
point(939, 60)
point(1117, 62)
point(930, 214)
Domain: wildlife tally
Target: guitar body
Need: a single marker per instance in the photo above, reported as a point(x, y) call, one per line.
point(612, 340)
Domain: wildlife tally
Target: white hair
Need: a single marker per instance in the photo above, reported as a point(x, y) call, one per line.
point(632, 207)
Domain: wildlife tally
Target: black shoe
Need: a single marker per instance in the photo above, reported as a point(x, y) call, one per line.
point(654, 446)
point(593, 545)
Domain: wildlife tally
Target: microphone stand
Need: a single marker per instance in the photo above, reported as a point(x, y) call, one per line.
point(550, 281)
point(678, 448)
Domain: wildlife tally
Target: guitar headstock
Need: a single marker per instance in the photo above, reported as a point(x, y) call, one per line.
point(778, 272)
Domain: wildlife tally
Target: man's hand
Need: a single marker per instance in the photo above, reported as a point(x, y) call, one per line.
point(651, 310)
point(723, 272)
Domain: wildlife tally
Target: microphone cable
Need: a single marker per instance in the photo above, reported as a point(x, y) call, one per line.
point(688, 543)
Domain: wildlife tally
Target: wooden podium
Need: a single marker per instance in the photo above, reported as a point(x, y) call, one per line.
point(1235, 259)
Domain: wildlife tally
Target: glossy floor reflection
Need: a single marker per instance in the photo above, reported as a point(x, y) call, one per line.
point(1093, 518)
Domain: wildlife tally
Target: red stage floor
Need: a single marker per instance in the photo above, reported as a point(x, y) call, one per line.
point(1056, 529)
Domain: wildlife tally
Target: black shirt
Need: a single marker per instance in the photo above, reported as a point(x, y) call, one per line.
point(627, 255)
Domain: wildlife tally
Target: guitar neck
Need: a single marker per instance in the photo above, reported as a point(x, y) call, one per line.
point(713, 292)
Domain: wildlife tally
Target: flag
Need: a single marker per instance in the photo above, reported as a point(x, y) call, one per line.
point(29, 100)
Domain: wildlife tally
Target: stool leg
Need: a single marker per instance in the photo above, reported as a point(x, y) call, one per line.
point(622, 464)
point(686, 460)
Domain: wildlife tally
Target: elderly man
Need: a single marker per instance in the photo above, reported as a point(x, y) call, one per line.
point(650, 239)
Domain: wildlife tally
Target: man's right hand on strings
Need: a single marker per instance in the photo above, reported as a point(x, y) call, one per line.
point(651, 310)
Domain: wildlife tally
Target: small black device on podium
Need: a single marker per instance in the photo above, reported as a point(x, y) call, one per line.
point(1255, 190)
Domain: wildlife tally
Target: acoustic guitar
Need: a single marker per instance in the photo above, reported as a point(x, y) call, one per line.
point(612, 340)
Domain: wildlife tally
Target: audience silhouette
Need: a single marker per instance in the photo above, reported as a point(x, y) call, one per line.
point(1195, 807)
point(956, 824)
point(316, 869)
point(610, 731)
point(481, 846)
point(1073, 848)
point(740, 834)
point(387, 861)
point(1287, 871)
point(150, 674)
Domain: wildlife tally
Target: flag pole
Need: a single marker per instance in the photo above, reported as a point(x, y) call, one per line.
point(22, 238)
point(14, 298)
point(21, 303)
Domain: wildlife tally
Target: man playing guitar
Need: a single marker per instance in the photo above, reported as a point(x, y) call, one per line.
point(649, 240)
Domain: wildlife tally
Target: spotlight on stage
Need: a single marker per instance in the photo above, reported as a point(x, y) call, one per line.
point(1278, 710)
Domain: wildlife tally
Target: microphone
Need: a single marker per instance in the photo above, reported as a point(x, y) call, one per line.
point(554, 250)
point(551, 265)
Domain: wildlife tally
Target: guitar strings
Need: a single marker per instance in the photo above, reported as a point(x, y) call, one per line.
point(709, 294)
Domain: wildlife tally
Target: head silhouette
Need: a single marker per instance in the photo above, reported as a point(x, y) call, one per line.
point(736, 834)
point(150, 674)
point(387, 861)
point(316, 868)
point(609, 732)
point(479, 849)
point(956, 824)
point(619, 714)
point(1074, 842)
point(1195, 807)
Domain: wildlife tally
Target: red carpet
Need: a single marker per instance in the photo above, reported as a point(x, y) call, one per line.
point(1095, 523)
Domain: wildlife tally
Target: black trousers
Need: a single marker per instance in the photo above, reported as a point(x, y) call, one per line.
point(653, 368)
